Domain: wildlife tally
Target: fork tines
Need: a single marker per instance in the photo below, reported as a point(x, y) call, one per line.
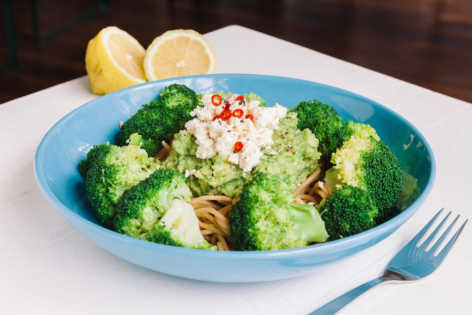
point(440, 240)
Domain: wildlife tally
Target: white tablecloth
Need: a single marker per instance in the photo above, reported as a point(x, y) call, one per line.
point(49, 268)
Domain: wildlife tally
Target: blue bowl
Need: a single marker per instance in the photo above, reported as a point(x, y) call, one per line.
point(68, 141)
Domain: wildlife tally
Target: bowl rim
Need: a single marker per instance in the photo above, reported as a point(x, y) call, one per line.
point(335, 245)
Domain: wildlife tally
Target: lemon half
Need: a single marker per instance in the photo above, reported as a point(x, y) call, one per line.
point(114, 61)
point(178, 53)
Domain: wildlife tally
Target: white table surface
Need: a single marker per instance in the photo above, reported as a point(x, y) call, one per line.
point(49, 268)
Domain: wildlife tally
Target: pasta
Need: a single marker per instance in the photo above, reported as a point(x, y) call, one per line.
point(213, 211)
point(164, 153)
point(213, 214)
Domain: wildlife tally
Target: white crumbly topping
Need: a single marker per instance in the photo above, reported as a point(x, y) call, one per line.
point(219, 136)
point(189, 172)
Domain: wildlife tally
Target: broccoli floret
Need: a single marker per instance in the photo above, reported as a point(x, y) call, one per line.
point(266, 218)
point(366, 162)
point(83, 168)
point(111, 170)
point(151, 123)
point(92, 155)
point(142, 206)
point(178, 97)
point(160, 119)
point(156, 210)
point(324, 122)
point(348, 211)
point(149, 145)
point(369, 165)
point(352, 128)
point(408, 194)
point(254, 97)
point(179, 227)
point(410, 191)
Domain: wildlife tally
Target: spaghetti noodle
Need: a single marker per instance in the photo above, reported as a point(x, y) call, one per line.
point(164, 152)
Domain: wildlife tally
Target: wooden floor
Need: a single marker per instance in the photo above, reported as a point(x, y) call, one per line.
point(425, 42)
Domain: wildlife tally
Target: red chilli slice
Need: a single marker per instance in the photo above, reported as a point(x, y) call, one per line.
point(216, 100)
point(239, 98)
point(249, 116)
point(238, 146)
point(226, 114)
point(238, 113)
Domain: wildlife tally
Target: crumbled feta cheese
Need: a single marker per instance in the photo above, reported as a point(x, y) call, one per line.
point(234, 158)
point(215, 135)
point(189, 172)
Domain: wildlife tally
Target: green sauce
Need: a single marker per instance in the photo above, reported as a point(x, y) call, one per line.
point(294, 154)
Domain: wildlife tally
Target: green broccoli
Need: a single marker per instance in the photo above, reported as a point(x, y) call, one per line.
point(349, 210)
point(324, 122)
point(160, 119)
point(178, 97)
point(92, 155)
point(266, 218)
point(408, 194)
point(352, 128)
point(254, 97)
point(156, 209)
point(179, 227)
point(109, 171)
point(364, 162)
point(149, 145)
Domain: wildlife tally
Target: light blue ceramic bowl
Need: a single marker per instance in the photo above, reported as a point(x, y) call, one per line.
point(68, 141)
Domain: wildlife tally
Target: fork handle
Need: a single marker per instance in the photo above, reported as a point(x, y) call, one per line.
point(341, 301)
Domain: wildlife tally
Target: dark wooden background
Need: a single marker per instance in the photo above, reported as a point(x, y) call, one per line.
point(425, 42)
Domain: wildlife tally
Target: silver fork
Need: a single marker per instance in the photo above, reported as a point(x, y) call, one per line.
point(412, 262)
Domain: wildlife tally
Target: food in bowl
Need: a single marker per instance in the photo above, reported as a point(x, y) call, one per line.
point(222, 171)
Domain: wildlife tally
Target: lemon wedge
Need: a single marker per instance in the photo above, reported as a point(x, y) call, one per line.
point(114, 60)
point(178, 53)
